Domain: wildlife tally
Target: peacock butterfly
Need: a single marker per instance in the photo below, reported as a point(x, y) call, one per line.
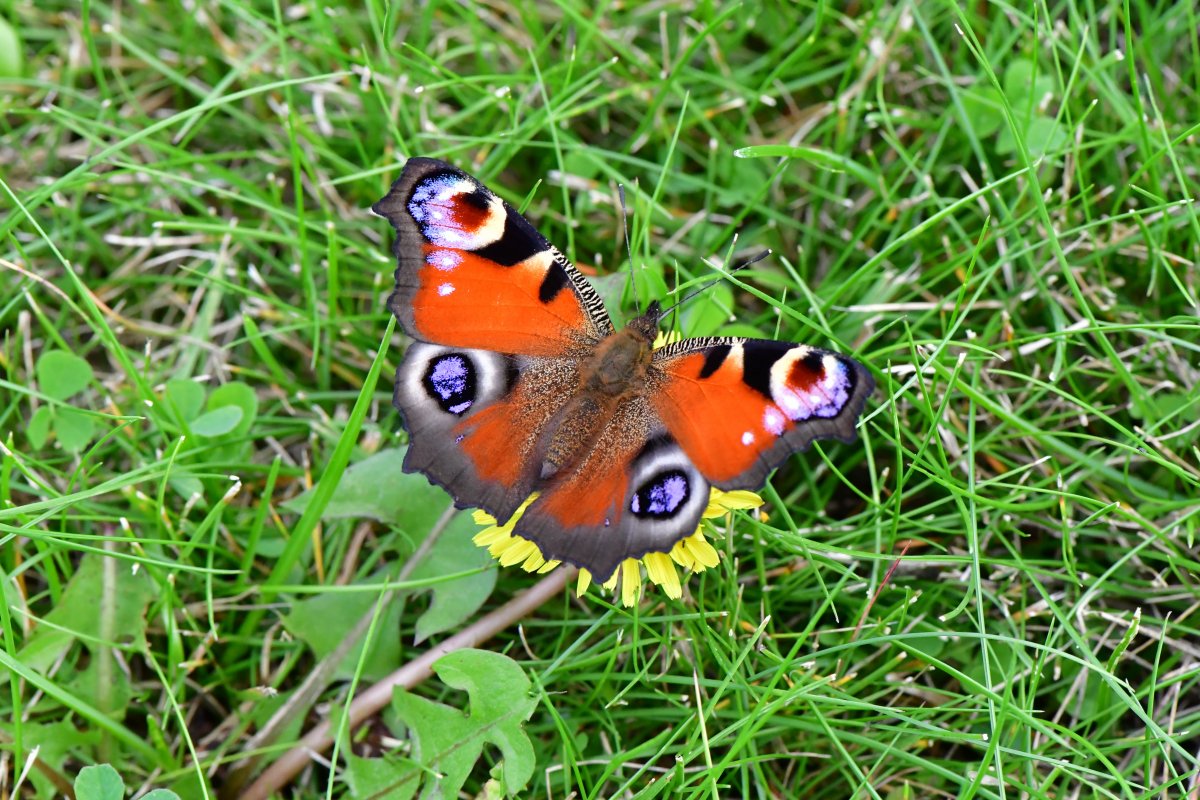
point(517, 382)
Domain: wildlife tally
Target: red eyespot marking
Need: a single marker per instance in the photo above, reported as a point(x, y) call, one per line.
point(754, 402)
point(469, 211)
point(806, 373)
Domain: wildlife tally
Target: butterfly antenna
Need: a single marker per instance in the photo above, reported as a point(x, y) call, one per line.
point(752, 260)
point(625, 227)
point(674, 309)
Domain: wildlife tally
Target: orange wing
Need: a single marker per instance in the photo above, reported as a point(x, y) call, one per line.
point(472, 272)
point(739, 407)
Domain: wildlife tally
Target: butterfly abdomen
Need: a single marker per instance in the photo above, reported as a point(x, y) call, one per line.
point(576, 427)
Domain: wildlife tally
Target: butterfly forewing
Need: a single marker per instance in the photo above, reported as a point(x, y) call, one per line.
point(739, 407)
point(472, 272)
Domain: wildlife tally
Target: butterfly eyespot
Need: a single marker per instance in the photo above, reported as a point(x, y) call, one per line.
point(807, 371)
point(450, 382)
point(662, 495)
point(808, 383)
point(453, 212)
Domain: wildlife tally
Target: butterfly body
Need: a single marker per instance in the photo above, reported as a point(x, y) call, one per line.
point(517, 382)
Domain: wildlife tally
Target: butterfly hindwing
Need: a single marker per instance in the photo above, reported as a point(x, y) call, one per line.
point(472, 272)
point(739, 407)
point(476, 420)
point(633, 493)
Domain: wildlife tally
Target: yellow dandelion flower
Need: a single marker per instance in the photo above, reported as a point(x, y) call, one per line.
point(693, 553)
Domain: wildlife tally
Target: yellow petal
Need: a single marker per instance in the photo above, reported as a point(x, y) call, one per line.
point(490, 536)
point(611, 584)
point(664, 339)
point(721, 503)
point(740, 499)
point(681, 556)
point(534, 562)
point(518, 551)
point(661, 571)
point(704, 553)
point(585, 580)
point(631, 582)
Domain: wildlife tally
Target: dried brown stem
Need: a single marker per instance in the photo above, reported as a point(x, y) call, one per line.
point(377, 697)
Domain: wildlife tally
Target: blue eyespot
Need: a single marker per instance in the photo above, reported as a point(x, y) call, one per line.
point(450, 382)
point(661, 496)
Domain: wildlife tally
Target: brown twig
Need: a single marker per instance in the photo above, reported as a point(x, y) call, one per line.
point(378, 696)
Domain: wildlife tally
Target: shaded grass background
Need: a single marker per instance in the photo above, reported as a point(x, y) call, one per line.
point(186, 195)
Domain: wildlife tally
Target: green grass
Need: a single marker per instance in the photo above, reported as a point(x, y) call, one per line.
point(992, 594)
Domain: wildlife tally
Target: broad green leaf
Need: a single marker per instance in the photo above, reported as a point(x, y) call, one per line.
point(1004, 657)
point(38, 430)
point(108, 690)
point(217, 422)
point(649, 283)
point(984, 108)
point(582, 165)
point(160, 794)
point(240, 395)
point(741, 329)
point(188, 486)
point(378, 488)
point(11, 51)
point(385, 777)
point(1006, 143)
point(73, 428)
point(1023, 89)
point(925, 648)
point(457, 599)
point(447, 742)
point(101, 586)
point(185, 398)
point(99, 782)
point(1044, 135)
point(61, 374)
point(1171, 412)
point(321, 622)
point(58, 743)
